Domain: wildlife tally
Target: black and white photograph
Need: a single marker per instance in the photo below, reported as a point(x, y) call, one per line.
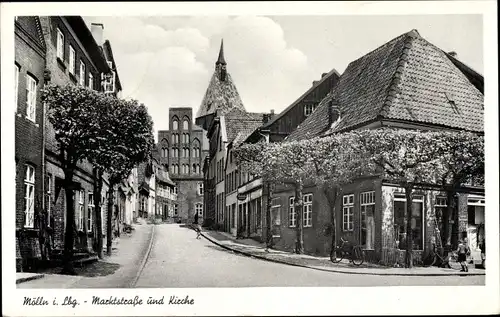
point(171, 159)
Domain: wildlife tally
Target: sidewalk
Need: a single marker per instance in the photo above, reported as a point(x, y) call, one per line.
point(116, 271)
point(22, 277)
point(255, 249)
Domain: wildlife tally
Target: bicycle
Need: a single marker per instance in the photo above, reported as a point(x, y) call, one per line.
point(357, 255)
point(449, 261)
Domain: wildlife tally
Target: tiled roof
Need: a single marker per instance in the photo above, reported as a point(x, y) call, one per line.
point(239, 124)
point(406, 79)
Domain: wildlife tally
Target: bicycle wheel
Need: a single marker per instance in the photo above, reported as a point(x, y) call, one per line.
point(358, 256)
point(430, 260)
point(336, 255)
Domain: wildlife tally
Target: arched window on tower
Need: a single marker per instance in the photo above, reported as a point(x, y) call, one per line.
point(175, 124)
point(185, 124)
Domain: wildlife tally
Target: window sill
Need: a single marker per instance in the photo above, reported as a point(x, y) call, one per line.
point(61, 63)
point(32, 121)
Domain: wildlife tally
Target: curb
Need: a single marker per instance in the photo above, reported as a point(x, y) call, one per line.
point(29, 278)
point(333, 270)
point(145, 259)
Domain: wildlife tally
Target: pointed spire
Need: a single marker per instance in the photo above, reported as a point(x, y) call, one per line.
point(221, 60)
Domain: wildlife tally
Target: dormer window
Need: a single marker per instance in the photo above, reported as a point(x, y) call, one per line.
point(451, 100)
point(308, 109)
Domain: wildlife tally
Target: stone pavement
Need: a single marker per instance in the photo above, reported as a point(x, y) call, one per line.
point(252, 248)
point(116, 271)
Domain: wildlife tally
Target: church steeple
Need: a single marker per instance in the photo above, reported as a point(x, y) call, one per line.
point(221, 60)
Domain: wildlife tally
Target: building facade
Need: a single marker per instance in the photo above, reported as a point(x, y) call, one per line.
point(31, 215)
point(182, 149)
point(370, 212)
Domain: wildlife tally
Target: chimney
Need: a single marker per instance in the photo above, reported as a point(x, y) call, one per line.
point(315, 82)
point(453, 54)
point(265, 118)
point(97, 30)
point(323, 75)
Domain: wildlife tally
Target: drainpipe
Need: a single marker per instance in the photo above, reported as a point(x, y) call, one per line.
point(46, 79)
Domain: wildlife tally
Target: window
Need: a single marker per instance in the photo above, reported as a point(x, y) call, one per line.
point(175, 125)
point(82, 73)
point(175, 190)
point(308, 109)
point(348, 212)
point(90, 210)
point(48, 197)
point(72, 57)
point(30, 98)
point(200, 188)
point(185, 125)
point(292, 215)
point(199, 209)
point(176, 209)
point(367, 203)
point(440, 206)
point(81, 210)
point(91, 81)
point(60, 45)
point(16, 83)
point(307, 218)
point(416, 221)
point(29, 197)
point(109, 82)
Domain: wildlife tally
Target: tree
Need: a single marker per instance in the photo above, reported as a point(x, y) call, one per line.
point(124, 140)
point(407, 158)
point(462, 162)
point(71, 111)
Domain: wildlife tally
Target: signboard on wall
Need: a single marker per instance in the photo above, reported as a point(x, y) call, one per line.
point(241, 196)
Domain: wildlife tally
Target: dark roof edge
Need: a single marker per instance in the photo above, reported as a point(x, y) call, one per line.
point(282, 113)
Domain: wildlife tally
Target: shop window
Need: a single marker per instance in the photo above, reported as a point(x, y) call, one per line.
point(417, 225)
point(367, 205)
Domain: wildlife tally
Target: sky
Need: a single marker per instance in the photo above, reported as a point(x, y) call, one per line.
point(167, 61)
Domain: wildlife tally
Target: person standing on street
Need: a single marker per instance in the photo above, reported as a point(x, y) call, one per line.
point(197, 225)
point(462, 255)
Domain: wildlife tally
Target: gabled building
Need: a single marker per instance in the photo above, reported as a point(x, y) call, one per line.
point(72, 57)
point(407, 83)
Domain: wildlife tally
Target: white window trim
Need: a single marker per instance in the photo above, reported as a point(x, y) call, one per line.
point(49, 198)
point(91, 81)
point(16, 82)
point(91, 209)
point(31, 98)
point(292, 215)
point(72, 59)
point(81, 79)
point(416, 199)
point(348, 210)
point(366, 199)
point(29, 196)
point(81, 209)
point(307, 212)
point(60, 45)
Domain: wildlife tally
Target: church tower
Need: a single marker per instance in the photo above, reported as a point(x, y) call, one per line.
point(221, 95)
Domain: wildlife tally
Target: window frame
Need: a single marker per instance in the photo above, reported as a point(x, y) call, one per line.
point(31, 97)
point(200, 189)
point(48, 195)
point(81, 209)
point(29, 196)
point(16, 82)
point(348, 212)
point(292, 214)
point(60, 44)
point(417, 198)
point(90, 211)
point(91, 81)
point(199, 209)
point(307, 210)
point(72, 60)
point(81, 74)
point(366, 199)
point(175, 124)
